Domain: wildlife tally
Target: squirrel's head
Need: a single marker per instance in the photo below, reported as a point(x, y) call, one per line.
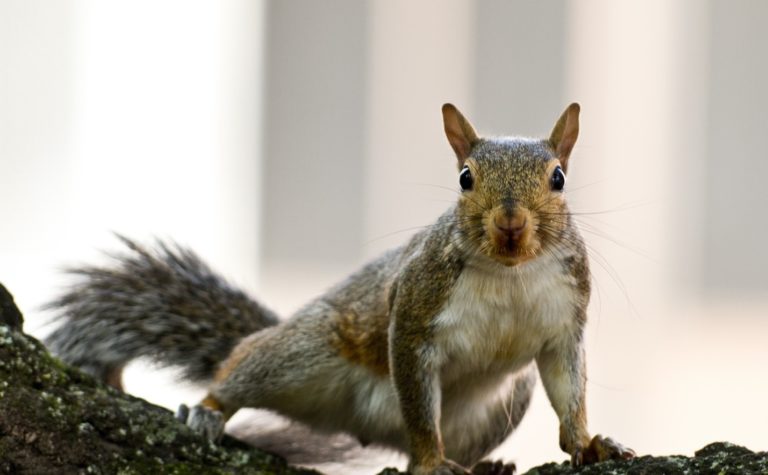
point(512, 203)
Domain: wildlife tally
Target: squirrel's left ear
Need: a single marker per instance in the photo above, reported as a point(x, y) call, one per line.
point(565, 133)
point(461, 135)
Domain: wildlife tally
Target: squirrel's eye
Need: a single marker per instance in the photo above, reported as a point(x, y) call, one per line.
point(557, 182)
point(465, 179)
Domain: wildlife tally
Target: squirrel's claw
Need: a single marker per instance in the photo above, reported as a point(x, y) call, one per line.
point(600, 449)
point(182, 413)
point(202, 420)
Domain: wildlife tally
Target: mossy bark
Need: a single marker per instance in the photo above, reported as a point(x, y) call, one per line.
point(56, 419)
point(719, 458)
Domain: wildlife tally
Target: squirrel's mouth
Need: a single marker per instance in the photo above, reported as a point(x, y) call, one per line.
point(512, 253)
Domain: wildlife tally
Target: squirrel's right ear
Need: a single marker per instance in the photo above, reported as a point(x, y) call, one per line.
point(565, 133)
point(461, 135)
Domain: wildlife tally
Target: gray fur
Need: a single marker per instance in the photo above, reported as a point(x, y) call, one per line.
point(165, 304)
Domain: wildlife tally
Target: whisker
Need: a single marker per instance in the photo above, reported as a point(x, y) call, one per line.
point(595, 231)
point(454, 190)
point(443, 221)
point(394, 233)
point(596, 257)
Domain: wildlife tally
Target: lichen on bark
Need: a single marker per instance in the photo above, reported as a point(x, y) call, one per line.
point(718, 458)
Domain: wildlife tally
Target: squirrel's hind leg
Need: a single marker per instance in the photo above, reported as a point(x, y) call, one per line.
point(207, 418)
point(289, 369)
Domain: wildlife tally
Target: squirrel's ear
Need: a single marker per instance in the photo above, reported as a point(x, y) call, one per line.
point(461, 135)
point(565, 133)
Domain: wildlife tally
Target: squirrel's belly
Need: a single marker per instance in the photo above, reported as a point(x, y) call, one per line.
point(496, 321)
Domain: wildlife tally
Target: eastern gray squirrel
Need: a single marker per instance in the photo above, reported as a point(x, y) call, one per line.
point(431, 349)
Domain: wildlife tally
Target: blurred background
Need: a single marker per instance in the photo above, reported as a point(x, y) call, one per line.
point(289, 141)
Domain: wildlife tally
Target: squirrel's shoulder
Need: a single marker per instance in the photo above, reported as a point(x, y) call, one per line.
point(431, 254)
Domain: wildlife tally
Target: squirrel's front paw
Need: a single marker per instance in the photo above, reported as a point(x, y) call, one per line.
point(446, 467)
point(202, 420)
point(600, 449)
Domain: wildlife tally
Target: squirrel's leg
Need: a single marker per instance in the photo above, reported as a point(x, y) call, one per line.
point(563, 374)
point(468, 439)
point(207, 418)
point(211, 414)
point(288, 368)
point(419, 393)
point(114, 377)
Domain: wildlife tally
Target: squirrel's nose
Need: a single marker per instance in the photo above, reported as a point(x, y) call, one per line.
point(513, 227)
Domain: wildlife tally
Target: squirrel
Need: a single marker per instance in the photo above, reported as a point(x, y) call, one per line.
point(431, 349)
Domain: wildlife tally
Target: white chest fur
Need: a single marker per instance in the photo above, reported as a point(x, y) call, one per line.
point(498, 318)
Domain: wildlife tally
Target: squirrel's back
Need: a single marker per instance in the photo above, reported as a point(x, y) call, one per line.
point(163, 303)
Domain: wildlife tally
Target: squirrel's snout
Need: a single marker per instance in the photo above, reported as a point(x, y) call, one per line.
point(512, 227)
point(511, 234)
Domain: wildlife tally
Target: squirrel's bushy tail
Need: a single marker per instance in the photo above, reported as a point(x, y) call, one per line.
point(163, 303)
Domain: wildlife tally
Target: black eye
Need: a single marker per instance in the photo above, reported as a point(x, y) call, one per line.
point(557, 182)
point(465, 179)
